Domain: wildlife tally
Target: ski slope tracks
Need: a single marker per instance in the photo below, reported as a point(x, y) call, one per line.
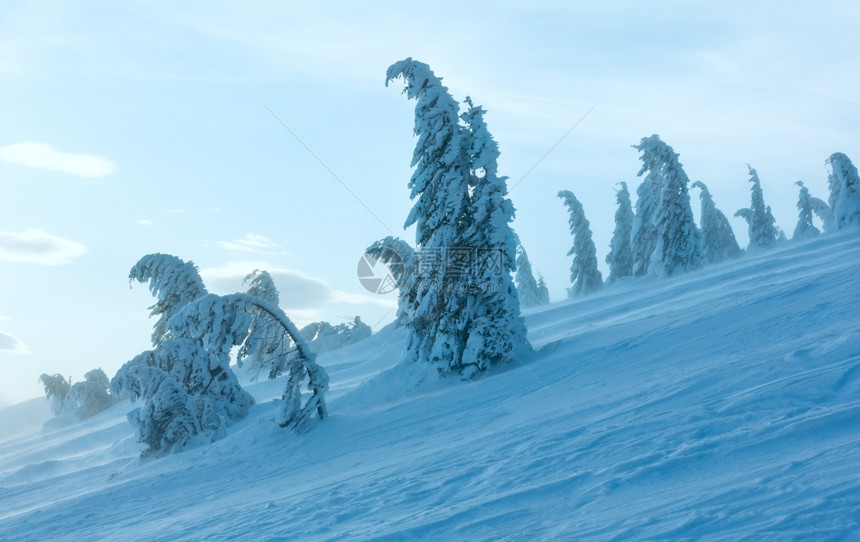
point(721, 404)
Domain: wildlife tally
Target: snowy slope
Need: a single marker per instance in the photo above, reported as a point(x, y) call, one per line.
point(720, 404)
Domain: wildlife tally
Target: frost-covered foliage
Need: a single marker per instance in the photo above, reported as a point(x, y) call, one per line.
point(527, 285)
point(678, 245)
point(190, 394)
point(763, 232)
point(92, 395)
point(173, 282)
point(585, 278)
point(463, 316)
point(805, 229)
point(844, 184)
point(718, 239)
point(643, 237)
point(56, 391)
point(620, 257)
point(400, 259)
point(271, 351)
point(324, 337)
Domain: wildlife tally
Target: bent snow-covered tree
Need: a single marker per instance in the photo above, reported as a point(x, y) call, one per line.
point(844, 184)
point(718, 239)
point(643, 235)
point(620, 257)
point(678, 246)
point(173, 282)
point(271, 351)
point(763, 232)
point(585, 278)
point(463, 236)
point(56, 391)
point(92, 395)
point(804, 229)
point(527, 285)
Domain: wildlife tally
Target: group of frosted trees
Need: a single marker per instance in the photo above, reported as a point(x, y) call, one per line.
point(661, 238)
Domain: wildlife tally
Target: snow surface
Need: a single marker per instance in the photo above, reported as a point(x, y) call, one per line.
point(720, 404)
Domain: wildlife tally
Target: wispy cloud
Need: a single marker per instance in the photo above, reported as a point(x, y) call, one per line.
point(251, 243)
point(144, 222)
point(38, 247)
point(11, 345)
point(297, 290)
point(44, 156)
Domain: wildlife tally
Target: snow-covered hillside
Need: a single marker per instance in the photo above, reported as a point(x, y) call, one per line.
point(723, 403)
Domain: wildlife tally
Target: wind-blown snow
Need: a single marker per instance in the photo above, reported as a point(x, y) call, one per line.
point(718, 404)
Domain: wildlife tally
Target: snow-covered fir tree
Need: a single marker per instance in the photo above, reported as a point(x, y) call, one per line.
point(463, 310)
point(56, 391)
point(494, 329)
point(620, 257)
point(542, 290)
point(585, 278)
point(527, 285)
point(440, 186)
point(805, 229)
point(678, 246)
point(844, 184)
point(718, 239)
point(399, 257)
point(173, 282)
point(763, 232)
point(92, 395)
point(643, 236)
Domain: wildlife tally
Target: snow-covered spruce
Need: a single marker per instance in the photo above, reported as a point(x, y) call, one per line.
point(718, 239)
point(763, 232)
point(678, 246)
point(620, 257)
point(643, 236)
point(173, 282)
point(440, 186)
point(844, 184)
point(542, 289)
point(493, 328)
point(527, 285)
point(804, 229)
point(462, 320)
point(585, 278)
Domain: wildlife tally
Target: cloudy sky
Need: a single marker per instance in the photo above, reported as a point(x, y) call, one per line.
point(247, 137)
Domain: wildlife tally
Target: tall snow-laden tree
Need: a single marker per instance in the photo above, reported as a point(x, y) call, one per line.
point(718, 239)
point(527, 285)
point(56, 391)
point(173, 282)
point(620, 257)
point(464, 309)
point(440, 186)
point(763, 232)
point(494, 328)
point(805, 229)
point(678, 245)
point(585, 278)
point(92, 395)
point(844, 185)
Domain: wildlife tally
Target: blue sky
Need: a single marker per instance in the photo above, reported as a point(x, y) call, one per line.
point(130, 128)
